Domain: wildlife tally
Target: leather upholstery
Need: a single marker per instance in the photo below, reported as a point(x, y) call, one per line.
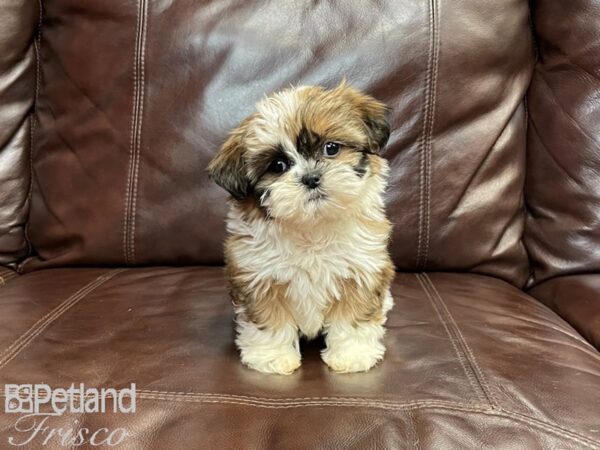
point(18, 24)
point(130, 152)
point(576, 298)
point(6, 275)
point(563, 187)
point(120, 105)
point(472, 362)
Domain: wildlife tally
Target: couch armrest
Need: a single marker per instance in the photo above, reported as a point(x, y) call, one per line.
point(576, 298)
point(562, 190)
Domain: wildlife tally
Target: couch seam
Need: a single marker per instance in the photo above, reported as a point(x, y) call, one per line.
point(302, 401)
point(462, 358)
point(280, 405)
point(140, 124)
point(426, 135)
point(33, 121)
point(192, 396)
point(37, 328)
point(485, 387)
point(549, 426)
point(135, 134)
point(286, 403)
point(422, 140)
point(436, 55)
point(409, 406)
point(131, 145)
point(293, 399)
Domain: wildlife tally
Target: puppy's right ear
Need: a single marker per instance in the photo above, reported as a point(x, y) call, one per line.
point(228, 168)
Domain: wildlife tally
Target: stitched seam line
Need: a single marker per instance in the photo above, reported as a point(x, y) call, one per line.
point(135, 135)
point(197, 397)
point(193, 397)
point(429, 143)
point(469, 353)
point(359, 400)
point(131, 146)
point(20, 343)
point(422, 138)
point(295, 401)
point(367, 404)
point(453, 340)
point(132, 138)
point(286, 403)
point(141, 89)
point(483, 384)
point(175, 395)
point(408, 406)
point(550, 427)
point(426, 134)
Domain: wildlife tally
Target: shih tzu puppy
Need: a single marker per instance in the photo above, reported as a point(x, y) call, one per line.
point(307, 230)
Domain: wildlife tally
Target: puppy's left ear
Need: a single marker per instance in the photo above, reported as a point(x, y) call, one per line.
point(375, 115)
point(228, 168)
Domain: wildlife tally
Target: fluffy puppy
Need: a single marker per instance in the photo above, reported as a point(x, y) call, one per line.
point(307, 231)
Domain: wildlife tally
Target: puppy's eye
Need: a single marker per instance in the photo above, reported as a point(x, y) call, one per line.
point(331, 149)
point(278, 166)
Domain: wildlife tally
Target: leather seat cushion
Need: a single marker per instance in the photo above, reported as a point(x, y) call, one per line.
point(471, 361)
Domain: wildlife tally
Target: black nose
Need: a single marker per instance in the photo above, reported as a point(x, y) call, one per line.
point(311, 180)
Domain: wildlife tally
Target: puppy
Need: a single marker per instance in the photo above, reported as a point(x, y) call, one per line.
point(307, 231)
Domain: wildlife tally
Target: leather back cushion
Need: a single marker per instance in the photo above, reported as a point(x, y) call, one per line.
point(137, 96)
point(563, 178)
point(18, 24)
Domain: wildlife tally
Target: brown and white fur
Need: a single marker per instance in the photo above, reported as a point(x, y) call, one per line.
point(307, 231)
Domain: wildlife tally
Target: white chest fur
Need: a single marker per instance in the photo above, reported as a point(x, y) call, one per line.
point(309, 261)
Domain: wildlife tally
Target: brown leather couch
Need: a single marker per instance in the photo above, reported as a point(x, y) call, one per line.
point(110, 232)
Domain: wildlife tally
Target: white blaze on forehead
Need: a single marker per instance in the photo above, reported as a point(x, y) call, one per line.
point(277, 117)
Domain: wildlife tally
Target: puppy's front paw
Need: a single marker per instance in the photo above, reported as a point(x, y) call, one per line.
point(282, 361)
point(353, 358)
point(268, 351)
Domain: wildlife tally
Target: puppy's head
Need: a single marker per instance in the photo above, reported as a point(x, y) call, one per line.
point(307, 153)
